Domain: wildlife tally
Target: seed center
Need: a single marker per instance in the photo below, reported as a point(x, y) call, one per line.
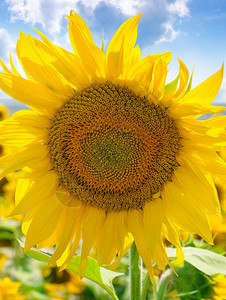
point(111, 148)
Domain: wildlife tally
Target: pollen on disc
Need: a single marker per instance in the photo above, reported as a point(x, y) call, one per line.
point(111, 148)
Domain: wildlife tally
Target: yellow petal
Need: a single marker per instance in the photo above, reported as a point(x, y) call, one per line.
point(152, 224)
point(49, 242)
point(40, 188)
point(5, 69)
point(72, 69)
point(206, 127)
point(170, 98)
point(195, 140)
point(55, 236)
point(160, 257)
point(135, 57)
point(191, 109)
point(67, 64)
point(65, 198)
point(121, 47)
point(22, 187)
point(37, 64)
point(127, 32)
point(93, 223)
point(43, 223)
point(28, 218)
point(201, 185)
point(172, 234)
point(159, 78)
point(183, 211)
point(206, 92)
point(22, 157)
point(141, 74)
point(122, 238)
point(116, 63)
point(23, 128)
point(136, 227)
point(184, 77)
point(73, 249)
point(212, 163)
point(15, 72)
point(219, 122)
point(82, 42)
point(28, 92)
point(71, 219)
point(127, 244)
point(106, 243)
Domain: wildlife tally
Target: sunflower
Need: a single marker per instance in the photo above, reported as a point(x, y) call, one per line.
point(220, 287)
point(9, 290)
point(62, 284)
point(112, 153)
point(7, 194)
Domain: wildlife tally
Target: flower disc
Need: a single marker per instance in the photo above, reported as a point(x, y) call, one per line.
point(111, 148)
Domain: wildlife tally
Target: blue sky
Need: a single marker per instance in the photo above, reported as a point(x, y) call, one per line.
point(193, 30)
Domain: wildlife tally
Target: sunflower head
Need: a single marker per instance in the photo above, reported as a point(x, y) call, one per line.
point(112, 153)
point(111, 148)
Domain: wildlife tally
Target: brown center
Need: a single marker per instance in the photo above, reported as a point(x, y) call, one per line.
point(111, 148)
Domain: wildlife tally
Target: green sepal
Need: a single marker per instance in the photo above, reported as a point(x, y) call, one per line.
point(190, 82)
point(172, 86)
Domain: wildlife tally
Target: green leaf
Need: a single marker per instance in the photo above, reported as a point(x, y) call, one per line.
point(32, 278)
point(10, 225)
point(206, 261)
point(94, 272)
point(6, 235)
point(36, 295)
point(172, 86)
point(38, 255)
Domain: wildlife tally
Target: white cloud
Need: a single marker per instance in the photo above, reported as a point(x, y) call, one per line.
point(179, 7)
point(8, 45)
point(6, 42)
point(169, 34)
point(50, 13)
point(28, 10)
point(128, 7)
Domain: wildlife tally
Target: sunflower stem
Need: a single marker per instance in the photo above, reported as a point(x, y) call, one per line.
point(145, 286)
point(135, 273)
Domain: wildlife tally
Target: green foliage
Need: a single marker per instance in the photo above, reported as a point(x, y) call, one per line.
point(206, 261)
point(100, 276)
point(190, 284)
